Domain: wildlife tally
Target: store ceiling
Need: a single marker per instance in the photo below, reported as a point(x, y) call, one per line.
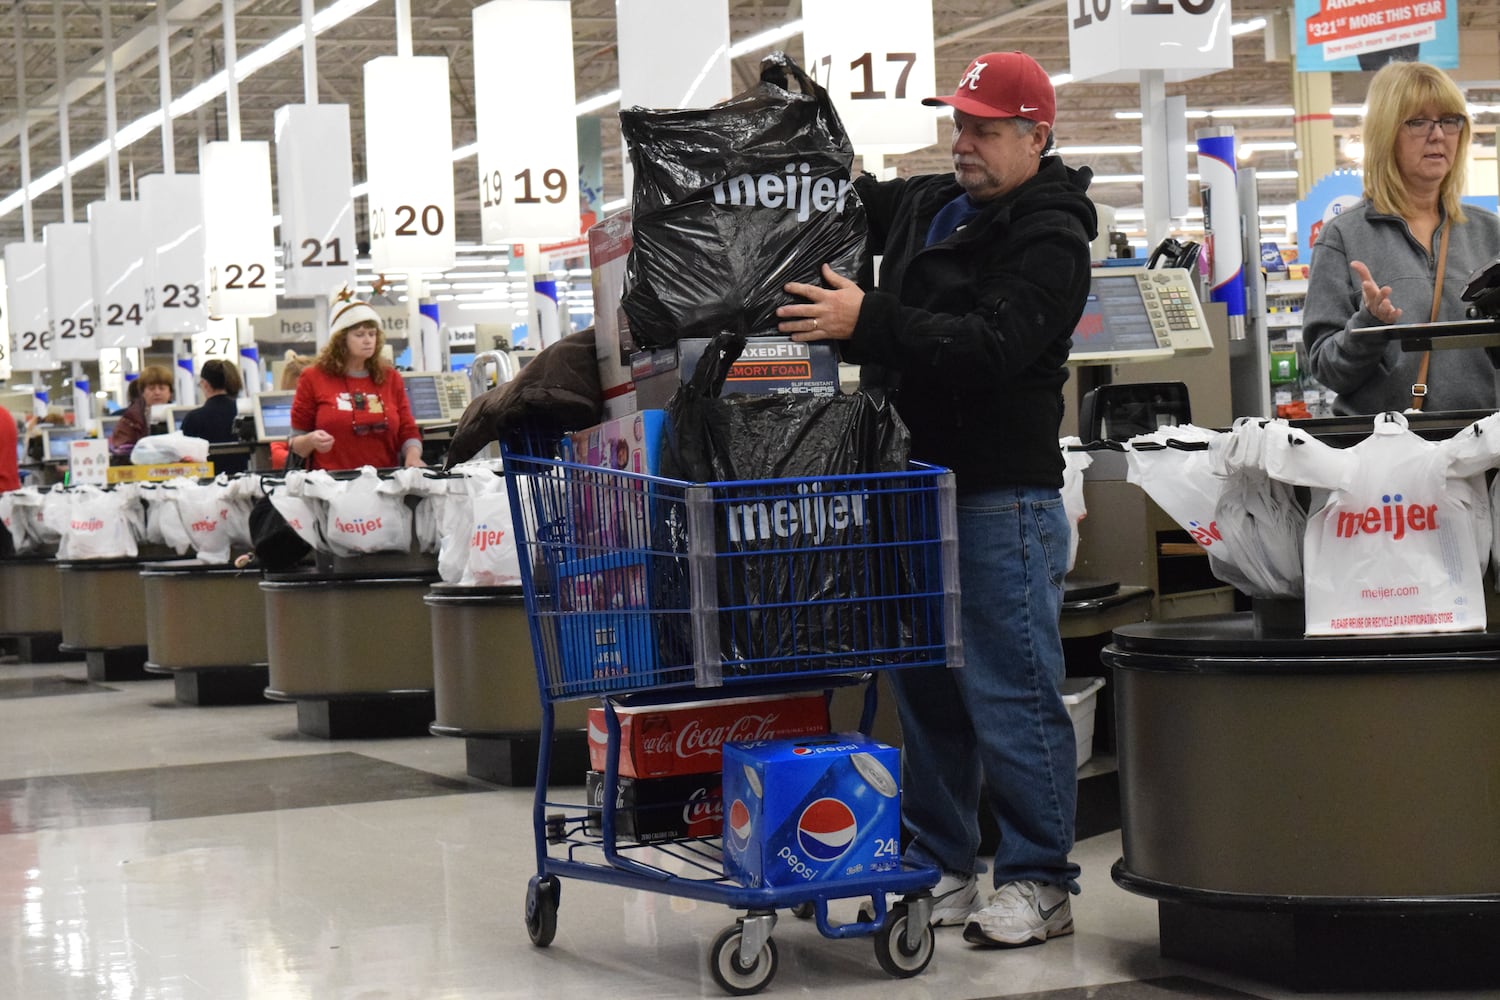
point(963, 28)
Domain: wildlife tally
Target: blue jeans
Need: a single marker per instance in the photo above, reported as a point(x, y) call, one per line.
point(1000, 719)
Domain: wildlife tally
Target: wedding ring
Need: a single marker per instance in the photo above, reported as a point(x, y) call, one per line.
point(815, 322)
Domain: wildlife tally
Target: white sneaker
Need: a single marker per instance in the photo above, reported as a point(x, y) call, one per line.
point(954, 900)
point(1021, 913)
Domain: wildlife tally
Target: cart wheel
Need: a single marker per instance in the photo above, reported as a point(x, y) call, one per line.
point(542, 895)
point(732, 975)
point(891, 950)
point(805, 911)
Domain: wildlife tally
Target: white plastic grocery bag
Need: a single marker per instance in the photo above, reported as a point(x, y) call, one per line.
point(364, 515)
point(98, 524)
point(493, 560)
point(1074, 463)
point(204, 513)
point(1394, 548)
point(1259, 518)
point(164, 449)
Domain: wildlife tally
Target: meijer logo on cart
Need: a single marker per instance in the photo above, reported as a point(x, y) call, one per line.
point(1392, 518)
point(794, 190)
point(811, 513)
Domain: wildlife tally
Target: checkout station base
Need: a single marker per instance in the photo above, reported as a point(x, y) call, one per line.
point(206, 628)
point(1317, 812)
point(104, 617)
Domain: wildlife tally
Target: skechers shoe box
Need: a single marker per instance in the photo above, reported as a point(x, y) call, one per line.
point(813, 810)
point(767, 365)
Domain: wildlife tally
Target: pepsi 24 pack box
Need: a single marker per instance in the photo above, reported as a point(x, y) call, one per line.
point(798, 811)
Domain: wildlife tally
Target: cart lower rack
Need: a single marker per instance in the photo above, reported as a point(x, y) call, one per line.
point(641, 589)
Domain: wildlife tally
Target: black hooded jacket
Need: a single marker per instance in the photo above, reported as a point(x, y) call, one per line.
point(974, 330)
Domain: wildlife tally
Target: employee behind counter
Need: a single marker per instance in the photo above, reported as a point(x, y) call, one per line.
point(1378, 262)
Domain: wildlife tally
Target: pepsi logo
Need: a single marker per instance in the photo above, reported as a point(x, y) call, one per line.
point(738, 824)
point(825, 830)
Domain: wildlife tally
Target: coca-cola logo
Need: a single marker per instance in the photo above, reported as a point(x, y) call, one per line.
point(358, 526)
point(695, 739)
point(701, 807)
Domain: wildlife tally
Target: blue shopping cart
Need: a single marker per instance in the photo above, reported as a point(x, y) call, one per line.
point(642, 590)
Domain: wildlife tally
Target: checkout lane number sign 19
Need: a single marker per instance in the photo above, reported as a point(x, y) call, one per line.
point(527, 190)
point(875, 58)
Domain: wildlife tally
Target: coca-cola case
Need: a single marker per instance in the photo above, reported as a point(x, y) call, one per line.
point(687, 738)
point(651, 810)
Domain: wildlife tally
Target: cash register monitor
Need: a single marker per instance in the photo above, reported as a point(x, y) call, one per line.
point(55, 441)
point(179, 410)
point(436, 397)
point(273, 415)
point(1139, 314)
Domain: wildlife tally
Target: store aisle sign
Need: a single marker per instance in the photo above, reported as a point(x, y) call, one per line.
point(220, 342)
point(26, 295)
point(876, 59)
point(239, 244)
point(117, 252)
point(177, 292)
point(409, 163)
point(315, 192)
point(528, 148)
point(70, 291)
point(1111, 41)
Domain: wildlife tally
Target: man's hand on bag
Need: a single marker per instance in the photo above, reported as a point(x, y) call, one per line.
point(829, 314)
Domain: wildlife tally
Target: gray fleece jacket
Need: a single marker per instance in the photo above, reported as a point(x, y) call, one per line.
point(1369, 373)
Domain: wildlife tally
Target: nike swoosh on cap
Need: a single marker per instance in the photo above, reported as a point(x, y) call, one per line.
point(1025, 108)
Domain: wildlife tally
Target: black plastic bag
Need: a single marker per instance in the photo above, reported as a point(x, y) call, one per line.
point(796, 558)
point(276, 544)
point(732, 202)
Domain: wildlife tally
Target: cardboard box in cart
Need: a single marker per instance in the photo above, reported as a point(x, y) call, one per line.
point(651, 810)
point(609, 247)
point(687, 738)
point(804, 811)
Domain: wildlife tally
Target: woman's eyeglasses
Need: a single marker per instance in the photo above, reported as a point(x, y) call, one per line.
point(1451, 125)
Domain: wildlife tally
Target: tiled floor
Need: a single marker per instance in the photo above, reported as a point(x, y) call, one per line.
point(154, 851)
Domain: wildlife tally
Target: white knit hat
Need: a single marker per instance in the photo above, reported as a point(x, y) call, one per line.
point(350, 313)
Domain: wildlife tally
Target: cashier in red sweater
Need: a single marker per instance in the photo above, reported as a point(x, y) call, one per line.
point(351, 408)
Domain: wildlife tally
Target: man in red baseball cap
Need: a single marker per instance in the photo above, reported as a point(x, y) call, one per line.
point(984, 274)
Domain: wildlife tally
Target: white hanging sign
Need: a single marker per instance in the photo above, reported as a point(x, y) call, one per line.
point(315, 192)
point(70, 291)
point(876, 59)
point(1111, 42)
point(177, 296)
point(112, 370)
point(5, 368)
point(528, 149)
point(220, 342)
point(26, 294)
point(118, 255)
point(409, 163)
point(239, 243)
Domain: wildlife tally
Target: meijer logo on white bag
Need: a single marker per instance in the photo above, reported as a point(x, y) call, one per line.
point(794, 190)
point(358, 526)
point(486, 537)
point(92, 524)
point(1392, 518)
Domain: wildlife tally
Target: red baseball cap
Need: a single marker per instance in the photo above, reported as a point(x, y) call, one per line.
point(1003, 85)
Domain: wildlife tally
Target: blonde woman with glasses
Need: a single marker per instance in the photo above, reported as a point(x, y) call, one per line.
point(1380, 261)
